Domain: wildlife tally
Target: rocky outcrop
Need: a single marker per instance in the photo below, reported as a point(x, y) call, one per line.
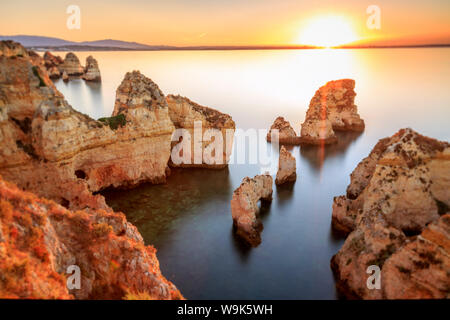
point(40, 241)
point(71, 65)
point(65, 77)
point(331, 108)
point(52, 60)
point(60, 154)
point(91, 70)
point(244, 207)
point(286, 134)
point(206, 135)
point(286, 167)
point(395, 209)
point(52, 64)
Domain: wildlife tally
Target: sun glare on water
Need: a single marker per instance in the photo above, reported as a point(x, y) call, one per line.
point(327, 31)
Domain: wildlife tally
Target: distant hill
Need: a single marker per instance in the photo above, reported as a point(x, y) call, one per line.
point(36, 42)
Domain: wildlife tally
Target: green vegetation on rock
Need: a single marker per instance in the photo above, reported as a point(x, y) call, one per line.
point(114, 122)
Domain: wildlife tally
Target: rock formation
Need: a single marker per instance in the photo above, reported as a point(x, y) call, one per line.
point(40, 240)
point(244, 207)
point(395, 209)
point(286, 134)
point(52, 60)
point(65, 77)
point(213, 126)
point(60, 154)
point(286, 167)
point(331, 108)
point(52, 64)
point(91, 70)
point(71, 65)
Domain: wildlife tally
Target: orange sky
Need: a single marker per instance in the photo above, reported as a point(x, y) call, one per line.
point(222, 22)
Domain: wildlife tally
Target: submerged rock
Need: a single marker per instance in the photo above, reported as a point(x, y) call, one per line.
point(244, 207)
point(91, 70)
point(71, 65)
point(286, 167)
point(395, 209)
point(41, 241)
point(331, 108)
point(286, 134)
point(210, 145)
point(58, 153)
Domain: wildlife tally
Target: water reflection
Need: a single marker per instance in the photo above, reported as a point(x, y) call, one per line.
point(285, 192)
point(317, 155)
point(157, 209)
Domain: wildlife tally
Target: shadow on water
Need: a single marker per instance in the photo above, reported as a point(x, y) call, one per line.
point(156, 209)
point(285, 192)
point(243, 249)
point(317, 155)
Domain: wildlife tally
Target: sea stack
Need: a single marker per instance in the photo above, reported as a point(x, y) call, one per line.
point(397, 213)
point(209, 131)
point(286, 167)
point(91, 70)
point(244, 207)
point(71, 65)
point(286, 134)
point(332, 108)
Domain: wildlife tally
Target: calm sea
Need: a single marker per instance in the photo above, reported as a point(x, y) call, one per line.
point(189, 220)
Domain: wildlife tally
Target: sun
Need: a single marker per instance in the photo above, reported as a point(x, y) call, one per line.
point(327, 31)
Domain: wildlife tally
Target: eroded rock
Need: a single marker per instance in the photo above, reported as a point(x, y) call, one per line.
point(286, 134)
point(216, 129)
point(40, 240)
point(91, 70)
point(286, 167)
point(331, 108)
point(395, 211)
point(71, 65)
point(244, 207)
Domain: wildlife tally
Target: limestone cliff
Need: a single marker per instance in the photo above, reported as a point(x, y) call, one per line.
point(204, 146)
point(58, 153)
point(40, 240)
point(395, 209)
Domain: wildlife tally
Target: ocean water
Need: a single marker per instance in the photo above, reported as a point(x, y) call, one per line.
point(188, 219)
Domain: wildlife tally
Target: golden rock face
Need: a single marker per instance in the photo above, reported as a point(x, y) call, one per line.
point(40, 239)
point(332, 108)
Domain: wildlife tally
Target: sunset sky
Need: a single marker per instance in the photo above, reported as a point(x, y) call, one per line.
point(226, 22)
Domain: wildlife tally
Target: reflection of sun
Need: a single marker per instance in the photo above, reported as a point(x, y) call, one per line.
point(327, 31)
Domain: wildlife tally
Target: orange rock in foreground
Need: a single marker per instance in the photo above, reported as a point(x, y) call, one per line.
point(40, 239)
point(397, 211)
